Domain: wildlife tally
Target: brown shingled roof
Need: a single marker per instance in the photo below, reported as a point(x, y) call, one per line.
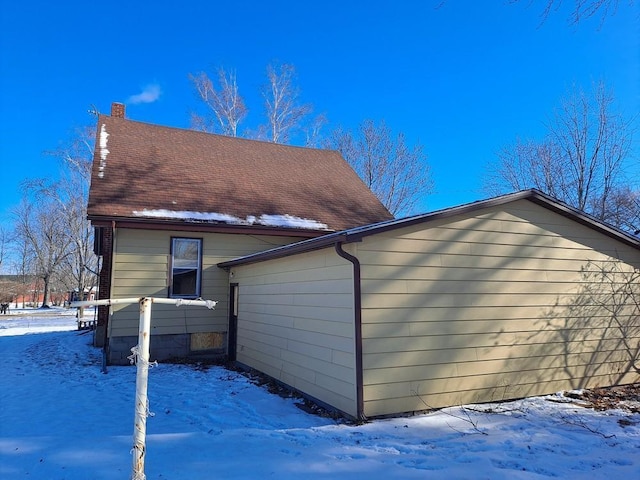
point(151, 167)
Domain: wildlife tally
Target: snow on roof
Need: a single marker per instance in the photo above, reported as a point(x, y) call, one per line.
point(291, 221)
point(103, 150)
point(265, 220)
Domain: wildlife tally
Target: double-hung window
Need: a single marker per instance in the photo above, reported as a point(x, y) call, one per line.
point(186, 268)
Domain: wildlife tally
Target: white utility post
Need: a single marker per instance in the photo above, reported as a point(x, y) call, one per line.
point(141, 358)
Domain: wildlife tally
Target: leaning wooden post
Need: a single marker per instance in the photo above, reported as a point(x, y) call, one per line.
point(141, 357)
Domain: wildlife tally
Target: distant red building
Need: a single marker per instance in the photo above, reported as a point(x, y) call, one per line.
point(27, 290)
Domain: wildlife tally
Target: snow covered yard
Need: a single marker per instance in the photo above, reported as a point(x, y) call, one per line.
point(61, 418)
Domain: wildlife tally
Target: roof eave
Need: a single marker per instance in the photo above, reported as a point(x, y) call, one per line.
point(579, 216)
point(318, 243)
point(201, 226)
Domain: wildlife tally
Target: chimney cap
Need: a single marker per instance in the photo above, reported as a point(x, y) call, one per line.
point(117, 110)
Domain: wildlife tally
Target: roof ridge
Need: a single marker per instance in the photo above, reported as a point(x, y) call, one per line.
point(218, 135)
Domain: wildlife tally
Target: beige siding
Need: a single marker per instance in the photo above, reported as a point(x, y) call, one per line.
point(295, 323)
point(488, 306)
point(141, 268)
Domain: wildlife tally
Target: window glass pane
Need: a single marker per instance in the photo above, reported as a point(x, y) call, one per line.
point(186, 253)
point(185, 282)
point(186, 261)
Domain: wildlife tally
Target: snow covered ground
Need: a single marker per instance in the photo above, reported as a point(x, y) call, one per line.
point(61, 418)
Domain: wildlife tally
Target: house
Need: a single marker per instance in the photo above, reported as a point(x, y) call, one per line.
point(505, 298)
point(169, 204)
point(321, 289)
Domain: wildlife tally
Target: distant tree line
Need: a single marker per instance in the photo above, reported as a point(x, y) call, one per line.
point(51, 237)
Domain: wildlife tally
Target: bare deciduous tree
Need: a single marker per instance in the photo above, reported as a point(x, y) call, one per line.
point(223, 100)
point(283, 110)
point(22, 265)
point(397, 174)
point(39, 225)
point(78, 271)
point(623, 209)
point(285, 116)
point(580, 161)
point(4, 244)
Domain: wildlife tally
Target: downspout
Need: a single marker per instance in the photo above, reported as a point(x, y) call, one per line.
point(357, 306)
point(107, 337)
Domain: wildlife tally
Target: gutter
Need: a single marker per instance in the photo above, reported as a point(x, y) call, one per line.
point(357, 306)
point(204, 226)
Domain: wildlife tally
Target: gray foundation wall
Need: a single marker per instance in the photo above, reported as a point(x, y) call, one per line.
point(161, 348)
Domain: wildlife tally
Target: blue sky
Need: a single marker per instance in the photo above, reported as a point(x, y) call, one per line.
point(463, 79)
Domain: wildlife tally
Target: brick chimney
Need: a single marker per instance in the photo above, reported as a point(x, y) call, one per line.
point(117, 110)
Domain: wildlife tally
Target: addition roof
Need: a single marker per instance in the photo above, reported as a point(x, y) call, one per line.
point(150, 173)
point(358, 233)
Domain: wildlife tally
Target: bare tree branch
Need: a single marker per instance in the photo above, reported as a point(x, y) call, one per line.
point(396, 173)
point(223, 100)
point(312, 131)
point(281, 101)
point(582, 9)
point(580, 161)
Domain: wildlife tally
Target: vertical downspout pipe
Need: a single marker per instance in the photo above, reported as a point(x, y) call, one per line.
point(106, 347)
point(357, 305)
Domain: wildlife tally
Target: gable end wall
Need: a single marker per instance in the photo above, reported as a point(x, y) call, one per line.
point(488, 306)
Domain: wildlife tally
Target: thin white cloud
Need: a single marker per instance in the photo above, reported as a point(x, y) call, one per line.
point(149, 94)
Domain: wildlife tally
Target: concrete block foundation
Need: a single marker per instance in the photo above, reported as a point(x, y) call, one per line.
point(165, 347)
